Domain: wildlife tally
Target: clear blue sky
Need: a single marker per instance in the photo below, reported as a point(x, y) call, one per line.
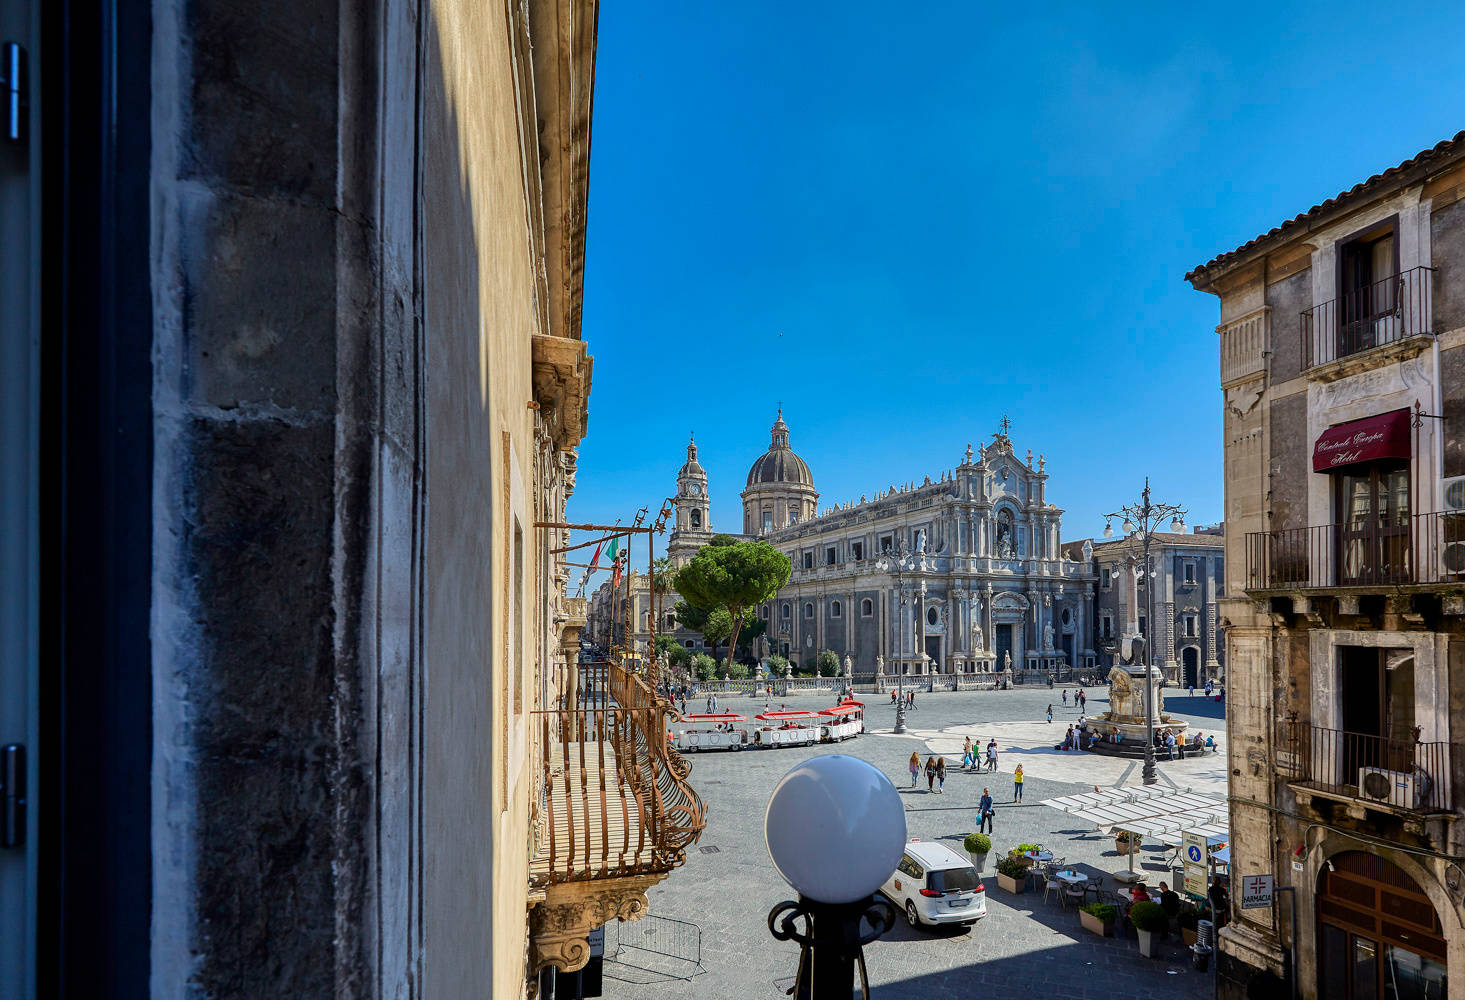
point(954, 211)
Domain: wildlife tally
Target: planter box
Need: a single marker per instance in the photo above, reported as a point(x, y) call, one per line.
point(1149, 943)
point(1093, 923)
point(1010, 884)
point(979, 861)
point(1022, 859)
point(1132, 847)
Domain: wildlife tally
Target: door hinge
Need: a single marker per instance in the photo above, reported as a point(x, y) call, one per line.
point(12, 795)
point(14, 86)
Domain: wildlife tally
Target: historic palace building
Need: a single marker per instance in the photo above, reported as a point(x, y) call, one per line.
point(957, 574)
point(1342, 364)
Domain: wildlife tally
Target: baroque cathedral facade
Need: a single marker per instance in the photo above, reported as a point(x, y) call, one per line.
point(963, 573)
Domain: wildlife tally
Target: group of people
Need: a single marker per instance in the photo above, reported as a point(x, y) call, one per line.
point(910, 699)
point(1080, 701)
point(971, 752)
point(935, 772)
point(1174, 742)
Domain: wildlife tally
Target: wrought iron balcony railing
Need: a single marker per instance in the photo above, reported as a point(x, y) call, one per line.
point(615, 800)
point(1418, 549)
point(1385, 312)
point(1400, 773)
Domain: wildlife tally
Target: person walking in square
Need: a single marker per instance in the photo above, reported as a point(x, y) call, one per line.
point(1065, 696)
point(930, 774)
point(1017, 777)
point(967, 760)
point(1050, 715)
point(992, 754)
point(915, 767)
point(984, 812)
point(940, 775)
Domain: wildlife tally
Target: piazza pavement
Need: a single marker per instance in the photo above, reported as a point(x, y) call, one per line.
point(1023, 947)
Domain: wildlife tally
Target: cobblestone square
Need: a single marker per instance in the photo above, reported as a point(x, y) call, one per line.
point(1024, 947)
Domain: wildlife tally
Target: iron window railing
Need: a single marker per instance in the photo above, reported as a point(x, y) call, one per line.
point(1384, 312)
point(1417, 549)
point(1400, 773)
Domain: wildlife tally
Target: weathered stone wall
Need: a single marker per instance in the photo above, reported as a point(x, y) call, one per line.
point(1287, 298)
point(1289, 453)
point(349, 604)
point(1447, 247)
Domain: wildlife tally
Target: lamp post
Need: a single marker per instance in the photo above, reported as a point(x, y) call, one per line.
point(835, 829)
point(1144, 518)
point(898, 560)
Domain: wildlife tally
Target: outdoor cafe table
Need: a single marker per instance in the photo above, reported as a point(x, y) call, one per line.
point(1070, 877)
point(1040, 856)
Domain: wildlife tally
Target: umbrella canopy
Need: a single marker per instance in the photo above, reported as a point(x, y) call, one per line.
point(1148, 811)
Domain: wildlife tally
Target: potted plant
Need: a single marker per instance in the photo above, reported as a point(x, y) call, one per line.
point(1019, 854)
point(1149, 922)
point(977, 845)
point(1126, 842)
point(1188, 920)
point(1099, 918)
point(1012, 875)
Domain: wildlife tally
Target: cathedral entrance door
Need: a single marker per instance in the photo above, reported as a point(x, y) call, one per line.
point(1002, 645)
point(933, 650)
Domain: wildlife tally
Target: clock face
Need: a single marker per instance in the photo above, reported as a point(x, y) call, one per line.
point(695, 490)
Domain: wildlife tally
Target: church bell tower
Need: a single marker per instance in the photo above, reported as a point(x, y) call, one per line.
point(694, 511)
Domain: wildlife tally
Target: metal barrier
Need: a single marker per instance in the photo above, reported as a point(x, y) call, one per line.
point(653, 949)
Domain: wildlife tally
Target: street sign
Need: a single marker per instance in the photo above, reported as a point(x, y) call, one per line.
point(1197, 872)
point(1256, 892)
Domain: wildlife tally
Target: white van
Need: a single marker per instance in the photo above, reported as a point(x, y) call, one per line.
point(935, 885)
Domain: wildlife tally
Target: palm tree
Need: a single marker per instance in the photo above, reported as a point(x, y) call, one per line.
point(662, 572)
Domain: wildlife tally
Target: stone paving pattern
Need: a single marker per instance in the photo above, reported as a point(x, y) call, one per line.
point(1024, 947)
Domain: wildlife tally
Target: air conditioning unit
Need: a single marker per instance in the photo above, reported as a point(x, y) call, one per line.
point(1395, 788)
point(1452, 558)
point(1454, 490)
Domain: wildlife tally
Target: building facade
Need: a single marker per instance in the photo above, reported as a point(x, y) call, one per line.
point(960, 574)
point(1188, 571)
point(1342, 350)
point(284, 635)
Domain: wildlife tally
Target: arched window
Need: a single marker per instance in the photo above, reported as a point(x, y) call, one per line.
point(765, 612)
point(787, 610)
point(834, 609)
point(932, 615)
point(768, 520)
point(867, 608)
point(696, 518)
point(688, 644)
point(808, 609)
point(671, 621)
point(793, 514)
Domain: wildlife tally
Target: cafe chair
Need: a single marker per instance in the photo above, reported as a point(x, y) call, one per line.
point(1074, 893)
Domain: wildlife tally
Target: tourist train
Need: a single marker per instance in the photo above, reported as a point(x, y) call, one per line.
point(767, 730)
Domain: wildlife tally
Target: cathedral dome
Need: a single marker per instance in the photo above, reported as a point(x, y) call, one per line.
point(779, 464)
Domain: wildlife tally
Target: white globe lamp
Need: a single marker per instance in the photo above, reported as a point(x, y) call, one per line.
point(835, 828)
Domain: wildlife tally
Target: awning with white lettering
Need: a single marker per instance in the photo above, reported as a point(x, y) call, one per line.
point(1383, 436)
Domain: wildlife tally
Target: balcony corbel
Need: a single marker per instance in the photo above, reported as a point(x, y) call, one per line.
point(560, 923)
point(562, 370)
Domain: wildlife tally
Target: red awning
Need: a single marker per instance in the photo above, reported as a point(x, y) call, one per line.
point(1382, 436)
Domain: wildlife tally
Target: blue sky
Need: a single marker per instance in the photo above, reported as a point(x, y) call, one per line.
point(904, 221)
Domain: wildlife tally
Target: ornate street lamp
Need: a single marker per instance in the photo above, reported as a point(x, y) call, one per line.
point(1144, 518)
point(898, 560)
point(835, 829)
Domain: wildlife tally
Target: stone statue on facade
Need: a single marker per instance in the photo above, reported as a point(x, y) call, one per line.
point(1007, 659)
point(920, 541)
point(849, 666)
point(978, 641)
point(879, 664)
point(1048, 636)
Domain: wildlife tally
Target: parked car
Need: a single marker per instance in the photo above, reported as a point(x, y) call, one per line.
point(935, 885)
